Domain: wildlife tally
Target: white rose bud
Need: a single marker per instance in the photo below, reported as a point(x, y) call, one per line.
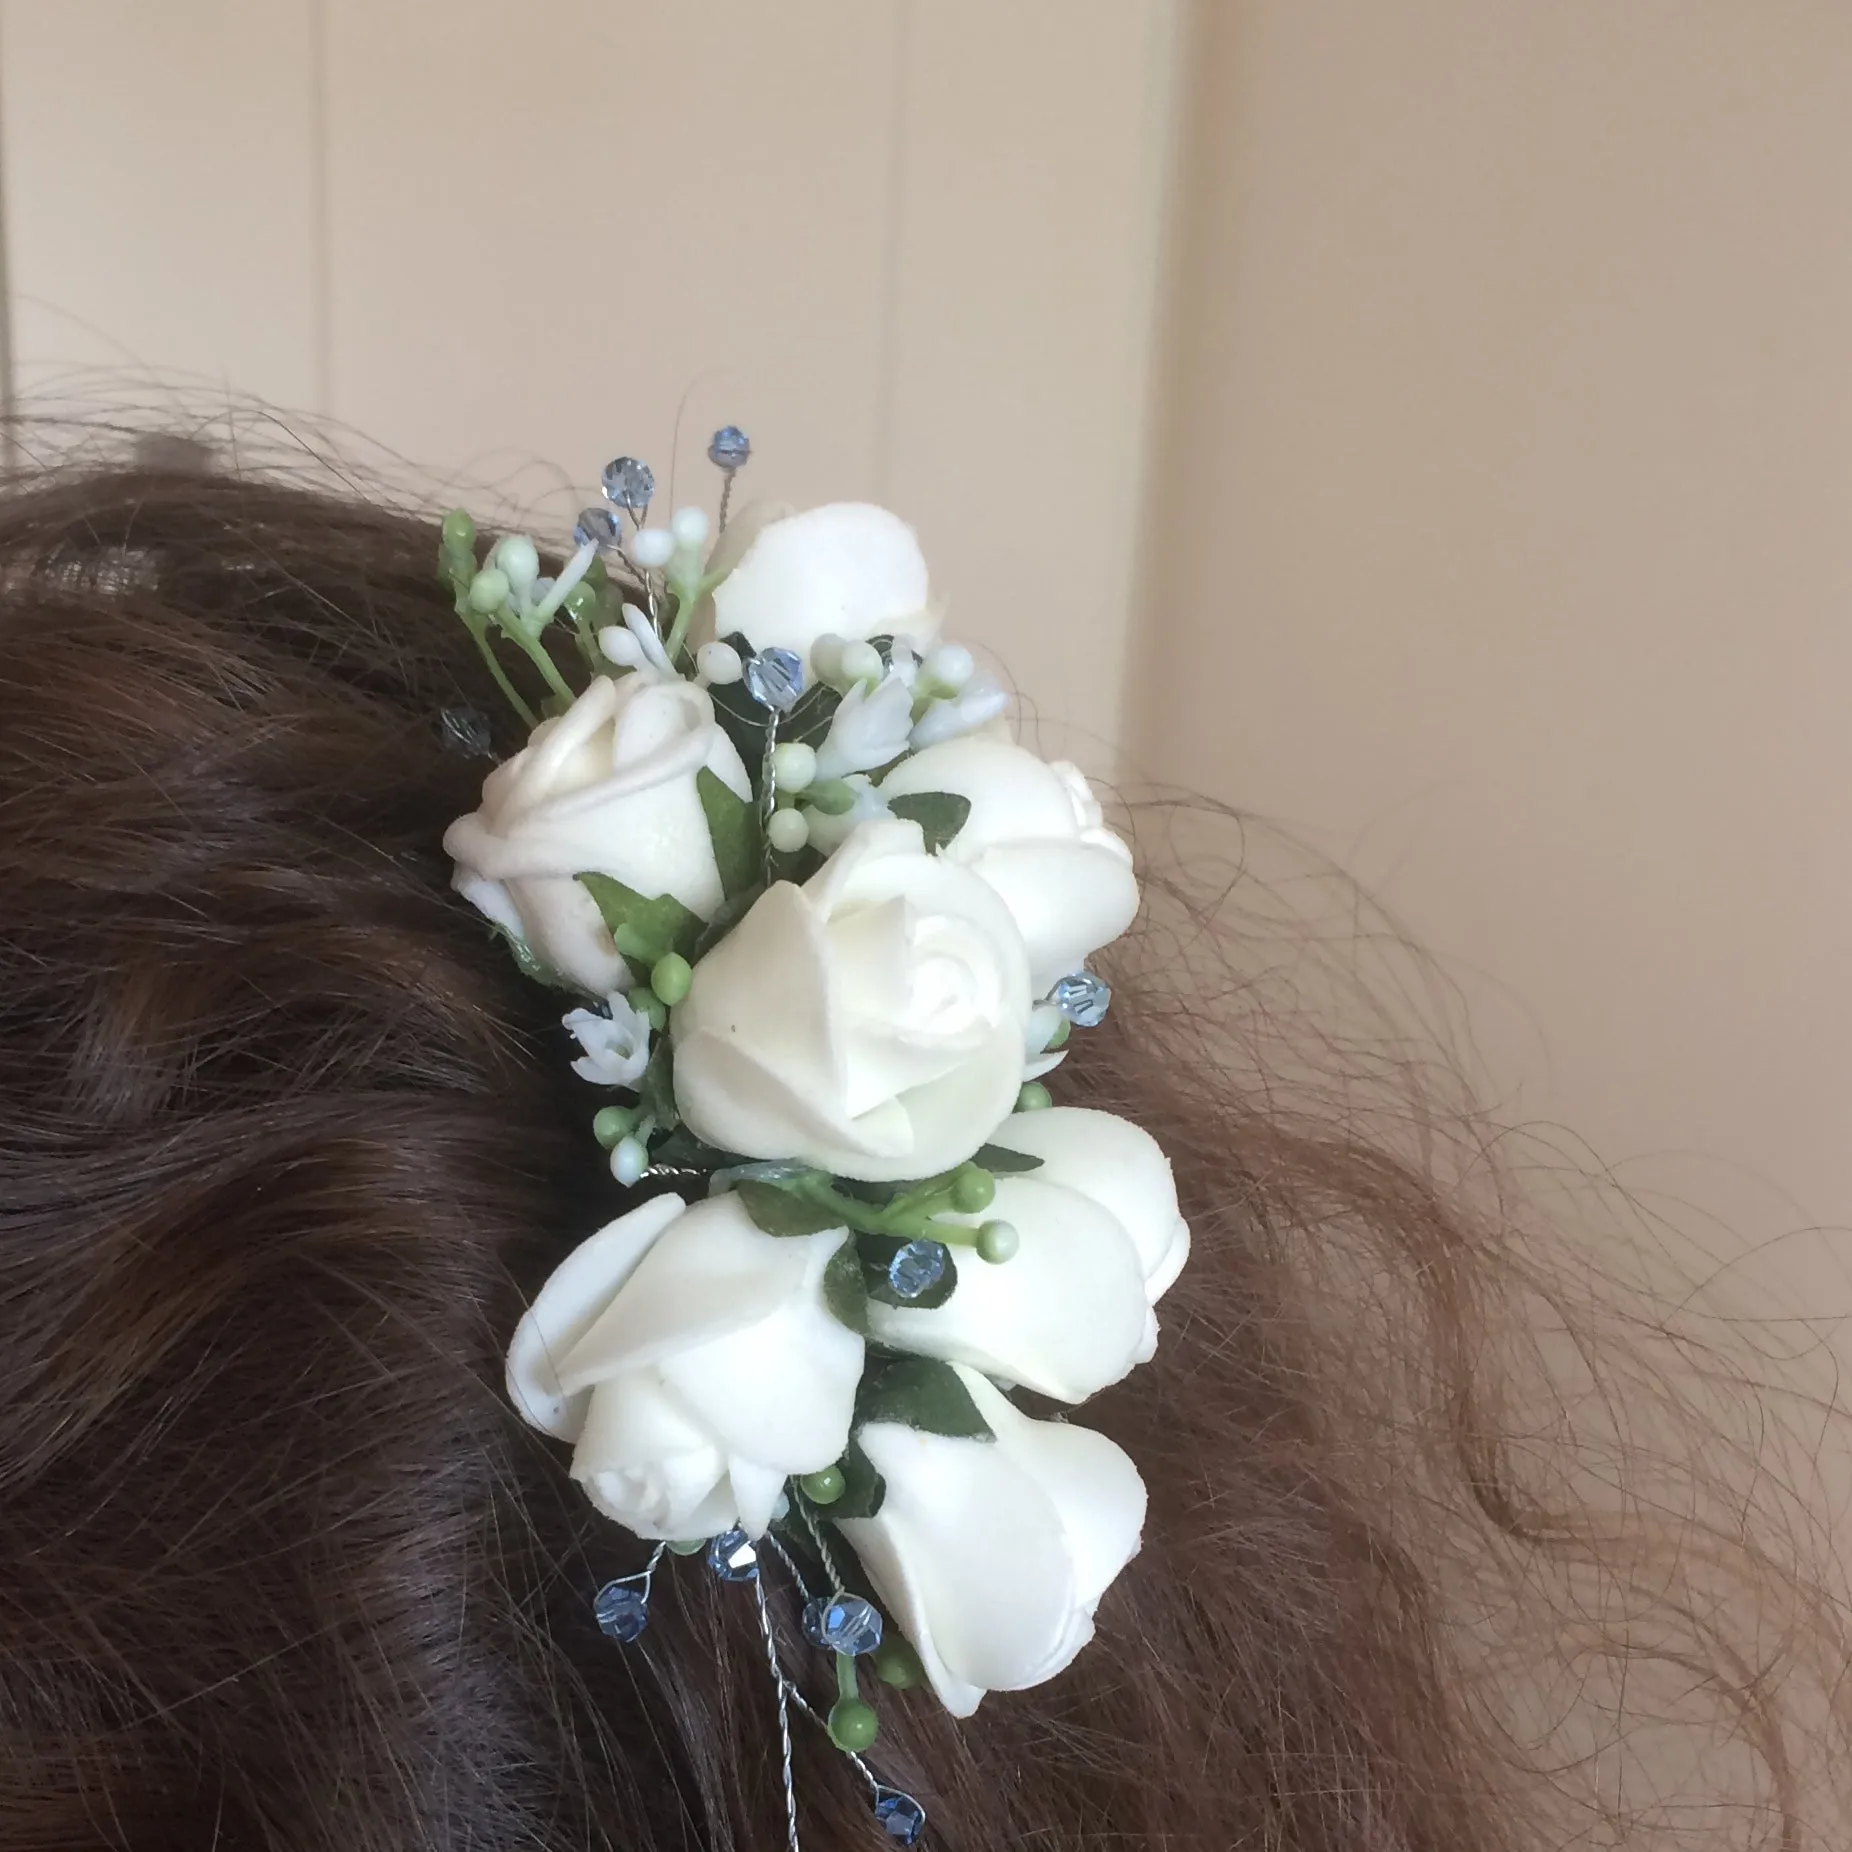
point(1099, 1240)
point(651, 1348)
point(849, 569)
point(1036, 835)
point(870, 1022)
point(992, 1555)
point(606, 788)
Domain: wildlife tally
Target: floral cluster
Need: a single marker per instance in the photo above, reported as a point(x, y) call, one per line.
point(829, 926)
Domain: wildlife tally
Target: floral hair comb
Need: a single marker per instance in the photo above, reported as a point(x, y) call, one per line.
point(828, 925)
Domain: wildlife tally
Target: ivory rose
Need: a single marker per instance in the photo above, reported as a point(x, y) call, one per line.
point(606, 788)
point(992, 1555)
point(1099, 1240)
point(654, 1347)
point(1035, 834)
point(847, 568)
point(870, 1022)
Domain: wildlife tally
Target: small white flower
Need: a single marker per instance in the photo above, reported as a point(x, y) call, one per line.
point(616, 1046)
point(651, 644)
point(869, 730)
point(980, 701)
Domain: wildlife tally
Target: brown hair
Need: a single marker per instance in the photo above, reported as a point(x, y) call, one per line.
point(285, 1144)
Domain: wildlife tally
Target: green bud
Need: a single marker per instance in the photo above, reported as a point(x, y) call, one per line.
point(669, 978)
point(853, 1725)
point(611, 1123)
point(488, 590)
point(688, 1546)
point(997, 1242)
point(649, 1006)
point(823, 1488)
point(833, 797)
point(459, 532)
point(1063, 1029)
point(897, 1664)
point(1033, 1098)
point(974, 1189)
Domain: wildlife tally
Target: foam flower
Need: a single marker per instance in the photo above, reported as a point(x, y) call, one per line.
point(848, 569)
point(1036, 835)
point(992, 1555)
point(1099, 1241)
point(870, 1022)
point(609, 787)
point(651, 1348)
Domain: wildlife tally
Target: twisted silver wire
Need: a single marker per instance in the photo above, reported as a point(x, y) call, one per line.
point(785, 1694)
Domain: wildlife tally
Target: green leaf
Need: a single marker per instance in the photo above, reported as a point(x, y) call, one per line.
point(733, 828)
point(776, 1211)
point(726, 917)
point(940, 814)
point(528, 965)
point(864, 1490)
point(919, 1393)
point(843, 1291)
point(1001, 1162)
point(643, 930)
point(656, 1088)
point(878, 1251)
point(686, 1152)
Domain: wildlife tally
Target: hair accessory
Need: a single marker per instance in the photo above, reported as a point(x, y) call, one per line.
point(825, 928)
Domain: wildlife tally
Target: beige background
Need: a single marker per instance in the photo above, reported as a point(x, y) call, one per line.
point(1496, 354)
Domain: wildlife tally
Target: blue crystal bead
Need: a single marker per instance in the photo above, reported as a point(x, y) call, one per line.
point(900, 1816)
point(917, 1268)
point(1082, 998)
point(465, 730)
point(842, 1624)
point(629, 483)
point(595, 527)
point(733, 1557)
point(621, 1610)
point(729, 448)
point(775, 679)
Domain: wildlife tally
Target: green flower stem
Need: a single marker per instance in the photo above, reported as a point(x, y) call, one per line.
point(479, 629)
point(846, 1687)
point(688, 594)
point(865, 1218)
point(587, 639)
point(953, 1234)
point(549, 670)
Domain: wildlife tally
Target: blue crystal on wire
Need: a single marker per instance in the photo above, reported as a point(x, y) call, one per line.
point(629, 483)
point(900, 1816)
point(1082, 998)
point(729, 448)
point(733, 1557)
point(775, 679)
point(842, 1624)
point(621, 1610)
point(595, 527)
point(917, 1268)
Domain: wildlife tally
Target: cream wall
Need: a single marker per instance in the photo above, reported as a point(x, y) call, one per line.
point(1504, 492)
